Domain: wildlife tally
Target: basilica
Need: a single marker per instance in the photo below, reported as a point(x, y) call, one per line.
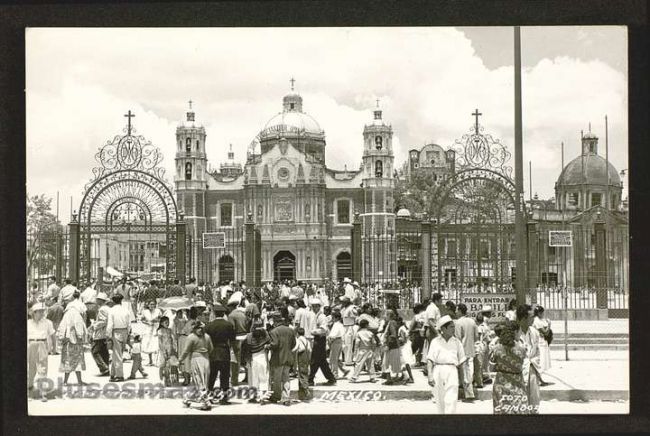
point(303, 210)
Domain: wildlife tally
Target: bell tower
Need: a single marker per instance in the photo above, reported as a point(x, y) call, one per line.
point(378, 181)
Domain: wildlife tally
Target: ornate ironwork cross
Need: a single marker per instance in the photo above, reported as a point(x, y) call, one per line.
point(190, 102)
point(129, 116)
point(476, 114)
point(377, 103)
point(292, 82)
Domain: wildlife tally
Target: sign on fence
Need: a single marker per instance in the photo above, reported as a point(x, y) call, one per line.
point(476, 302)
point(560, 238)
point(214, 240)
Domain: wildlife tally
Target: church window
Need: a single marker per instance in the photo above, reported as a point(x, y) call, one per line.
point(320, 212)
point(188, 171)
point(197, 144)
point(260, 212)
point(188, 144)
point(307, 211)
point(573, 199)
point(226, 214)
point(379, 169)
point(292, 106)
point(379, 142)
point(343, 211)
point(596, 199)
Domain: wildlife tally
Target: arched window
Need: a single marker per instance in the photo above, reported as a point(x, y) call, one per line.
point(379, 169)
point(188, 171)
point(379, 142)
point(188, 144)
point(260, 212)
point(307, 211)
point(197, 144)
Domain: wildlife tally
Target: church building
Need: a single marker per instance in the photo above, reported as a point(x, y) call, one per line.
point(303, 209)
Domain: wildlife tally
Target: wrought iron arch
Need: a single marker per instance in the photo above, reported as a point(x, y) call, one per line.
point(474, 230)
point(129, 173)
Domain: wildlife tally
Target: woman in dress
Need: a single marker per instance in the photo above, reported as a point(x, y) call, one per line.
point(150, 318)
point(392, 354)
point(509, 392)
point(197, 349)
point(72, 334)
point(406, 351)
point(255, 358)
point(543, 326)
point(166, 349)
point(185, 331)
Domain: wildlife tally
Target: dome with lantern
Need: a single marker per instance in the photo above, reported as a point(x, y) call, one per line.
point(293, 125)
point(585, 180)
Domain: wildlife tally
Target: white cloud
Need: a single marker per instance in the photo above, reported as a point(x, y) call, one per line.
point(80, 82)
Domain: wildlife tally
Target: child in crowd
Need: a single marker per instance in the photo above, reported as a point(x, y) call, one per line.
point(136, 356)
point(365, 344)
point(303, 353)
point(406, 351)
point(166, 349)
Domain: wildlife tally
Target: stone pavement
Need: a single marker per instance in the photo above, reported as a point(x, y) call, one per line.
point(589, 376)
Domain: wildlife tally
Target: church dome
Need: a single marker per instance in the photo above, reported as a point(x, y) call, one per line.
point(403, 213)
point(594, 172)
point(293, 122)
point(292, 119)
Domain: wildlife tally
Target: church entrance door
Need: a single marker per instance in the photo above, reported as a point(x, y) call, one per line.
point(284, 266)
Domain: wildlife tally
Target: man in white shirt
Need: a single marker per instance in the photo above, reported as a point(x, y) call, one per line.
point(444, 356)
point(348, 288)
point(118, 327)
point(335, 339)
point(467, 332)
point(348, 314)
point(431, 317)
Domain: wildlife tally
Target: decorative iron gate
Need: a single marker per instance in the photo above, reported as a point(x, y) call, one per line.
point(129, 199)
point(473, 234)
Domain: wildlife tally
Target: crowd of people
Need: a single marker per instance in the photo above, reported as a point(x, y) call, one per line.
point(266, 336)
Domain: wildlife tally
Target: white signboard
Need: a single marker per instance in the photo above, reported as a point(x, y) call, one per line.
point(560, 238)
point(476, 302)
point(214, 240)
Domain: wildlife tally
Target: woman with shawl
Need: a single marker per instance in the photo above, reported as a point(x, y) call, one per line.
point(72, 334)
point(509, 393)
point(255, 358)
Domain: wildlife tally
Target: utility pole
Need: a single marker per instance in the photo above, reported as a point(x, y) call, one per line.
point(520, 219)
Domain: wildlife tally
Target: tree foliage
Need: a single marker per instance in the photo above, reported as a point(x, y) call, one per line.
point(41, 233)
point(417, 193)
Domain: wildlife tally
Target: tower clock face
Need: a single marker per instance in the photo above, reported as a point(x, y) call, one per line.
point(283, 174)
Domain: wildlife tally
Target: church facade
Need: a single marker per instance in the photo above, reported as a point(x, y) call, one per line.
point(303, 210)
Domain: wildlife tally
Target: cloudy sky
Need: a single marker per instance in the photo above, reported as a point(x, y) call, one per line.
point(80, 82)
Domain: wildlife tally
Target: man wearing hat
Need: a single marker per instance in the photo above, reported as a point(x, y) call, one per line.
point(99, 349)
point(318, 354)
point(444, 356)
point(40, 334)
point(283, 341)
point(348, 288)
point(222, 334)
point(348, 314)
point(118, 327)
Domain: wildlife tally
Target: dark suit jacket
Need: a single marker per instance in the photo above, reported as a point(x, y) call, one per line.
point(283, 339)
point(221, 332)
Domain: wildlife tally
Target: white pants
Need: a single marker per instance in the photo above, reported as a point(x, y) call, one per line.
point(468, 377)
point(348, 337)
point(445, 392)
